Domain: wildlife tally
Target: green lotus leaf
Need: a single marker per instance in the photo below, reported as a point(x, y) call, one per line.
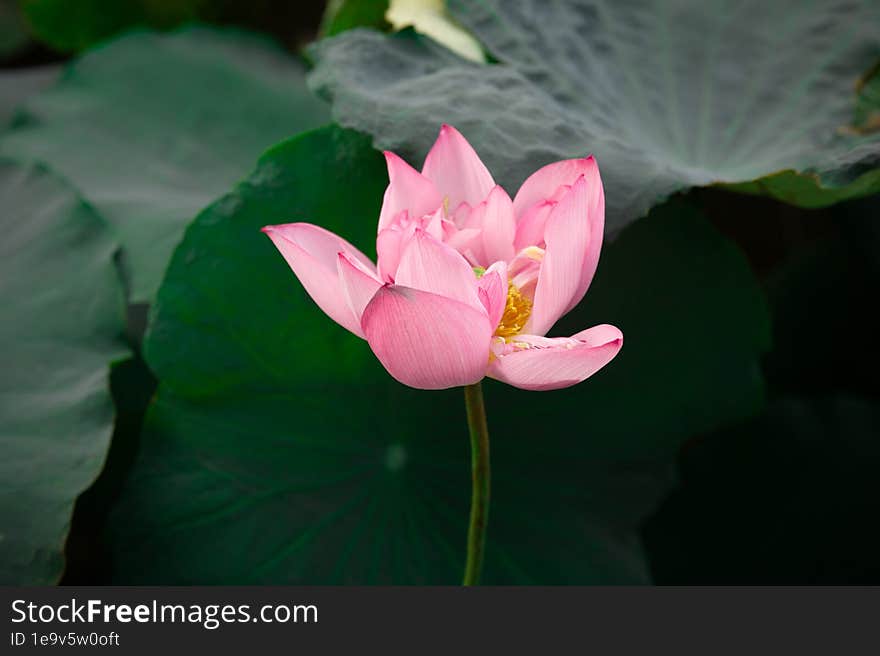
point(62, 322)
point(668, 95)
point(151, 128)
point(68, 29)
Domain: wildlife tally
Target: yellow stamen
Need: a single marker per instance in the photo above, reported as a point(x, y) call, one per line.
point(516, 313)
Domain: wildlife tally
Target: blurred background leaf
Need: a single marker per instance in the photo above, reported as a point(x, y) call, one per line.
point(150, 128)
point(16, 86)
point(73, 28)
point(278, 450)
point(342, 15)
point(13, 33)
point(63, 320)
point(55, 23)
point(87, 556)
point(868, 106)
point(668, 95)
point(807, 189)
point(822, 301)
point(789, 497)
point(428, 17)
point(431, 18)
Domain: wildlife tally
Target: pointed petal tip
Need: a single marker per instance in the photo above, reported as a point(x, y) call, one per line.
point(392, 159)
point(556, 363)
point(587, 162)
point(280, 227)
point(497, 189)
point(456, 170)
point(601, 335)
point(548, 180)
point(447, 130)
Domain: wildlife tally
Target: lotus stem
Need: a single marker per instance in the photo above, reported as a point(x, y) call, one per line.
point(480, 476)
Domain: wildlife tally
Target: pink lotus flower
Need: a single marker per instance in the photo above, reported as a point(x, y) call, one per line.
point(468, 281)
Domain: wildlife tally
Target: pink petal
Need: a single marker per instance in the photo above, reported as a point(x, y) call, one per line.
point(425, 340)
point(492, 288)
point(359, 285)
point(388, 245)
point(456, 170)
point(311, 252)
point(461, 215)
point(573, 237)
point(495, 217)
point(407, 190)
point(544, 183)
point(523, 271)
point(596, 218)
point(432, 266)
point(462, 239)
point(530, 229)
point(390, 242)
point(433, 224)
point(538, 363)
point(468, 242)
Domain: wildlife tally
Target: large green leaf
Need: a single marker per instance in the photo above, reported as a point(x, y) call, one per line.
point(668, 94)
point(62, 320)
point(152, 128)
point(279, 451)
point(790, 497)
point(53, 22)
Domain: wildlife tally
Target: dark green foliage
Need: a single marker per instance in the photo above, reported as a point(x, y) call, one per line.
point(63, 319)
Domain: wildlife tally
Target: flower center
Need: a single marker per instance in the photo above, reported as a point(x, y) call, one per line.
point(516, 313)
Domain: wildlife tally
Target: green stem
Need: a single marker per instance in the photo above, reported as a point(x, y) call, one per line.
point(476, 415)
